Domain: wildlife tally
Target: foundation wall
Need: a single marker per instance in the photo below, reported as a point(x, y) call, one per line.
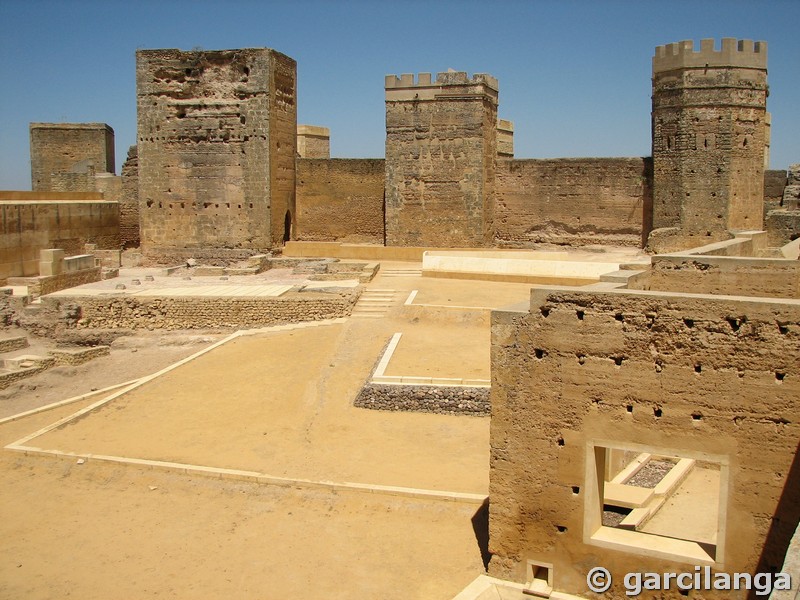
point(203, 312)
point(31, 226)
point(572, 201)
point(676, 372)
point(340, 200)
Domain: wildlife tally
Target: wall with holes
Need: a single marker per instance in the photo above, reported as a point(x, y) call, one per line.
point(216, 148)
point(699, 375)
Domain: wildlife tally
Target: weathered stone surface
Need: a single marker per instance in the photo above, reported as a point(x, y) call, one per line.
point(340, 200)
point(313, 142)
point(66, 156)
point(129, 201)
point(216, 147)
point(672, 371)
point(709, 113)
point(443, 400)
point(441, 149)
point(571, 201)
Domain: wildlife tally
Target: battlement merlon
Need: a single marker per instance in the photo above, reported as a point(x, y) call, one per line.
point(454, 84)
point(734, 53)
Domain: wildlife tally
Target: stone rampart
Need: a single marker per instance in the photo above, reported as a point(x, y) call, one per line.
point(340, 200)
point(571, 201)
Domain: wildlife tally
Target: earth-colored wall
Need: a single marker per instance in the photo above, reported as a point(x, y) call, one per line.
point(761, 277)
point(674, 372)
point(572, 201)
point(65, 156)
point(340, 200)
point(216, 148)
point(129, 201)
point(709, 114)
point(31, 226)
point(441, 148)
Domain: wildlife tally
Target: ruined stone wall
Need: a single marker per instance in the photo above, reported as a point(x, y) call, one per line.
point(216, 148)
point(677, 373)
point(31, 226)
point(774, 184)
point(126, 312)
point(440, 400)
point(571, 201)
point(65, 156)
point(441, 147)
point(129, 201)
point(340, 200)
point(709, 113)
point(762, 277)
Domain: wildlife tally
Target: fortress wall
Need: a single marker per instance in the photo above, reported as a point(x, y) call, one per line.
point(31, 226)
point(723, 275)
point(340, 200)
point(571, 201)
point(668, 372)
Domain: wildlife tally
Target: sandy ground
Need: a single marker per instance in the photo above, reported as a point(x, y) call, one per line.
point(98, 531)
point(277, 403)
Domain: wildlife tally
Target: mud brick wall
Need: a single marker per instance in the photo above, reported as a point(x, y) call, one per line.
point(709, 114)
point(340, 200)
point(674, 371)
point(572, 201)
point(441, 148)
point(216, 148)
point(65, 156)
point(127, 312)
point(31, 226)
point(761, 277)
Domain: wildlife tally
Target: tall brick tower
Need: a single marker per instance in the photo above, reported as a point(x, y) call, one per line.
point(217, 137)
point(709, 115)
point(441, 148)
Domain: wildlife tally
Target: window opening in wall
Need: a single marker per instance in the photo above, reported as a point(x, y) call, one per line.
point(539, 581)
point(658, 502)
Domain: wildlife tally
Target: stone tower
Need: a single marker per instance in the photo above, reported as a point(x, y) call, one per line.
point(66, 156)
point(216, 144)
point(709, 115)
point(441, 148)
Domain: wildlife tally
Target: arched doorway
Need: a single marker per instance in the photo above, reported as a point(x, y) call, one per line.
point(287, 227)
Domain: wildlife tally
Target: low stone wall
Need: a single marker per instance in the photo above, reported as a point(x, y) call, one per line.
point(13, 343)
point(443, 400)
point(39, 286)
point(782, 227)
point(78, 356)
point(128, 312)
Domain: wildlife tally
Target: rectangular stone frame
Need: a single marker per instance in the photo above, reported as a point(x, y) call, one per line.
point(652, 545)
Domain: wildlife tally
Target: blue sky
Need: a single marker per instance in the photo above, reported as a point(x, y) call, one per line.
point(574, 75)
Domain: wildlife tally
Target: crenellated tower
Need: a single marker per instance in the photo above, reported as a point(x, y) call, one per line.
point(441, 148)
point(709, 128)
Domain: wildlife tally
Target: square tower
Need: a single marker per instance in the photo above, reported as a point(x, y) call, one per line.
point(216, 144)
point(63, 155)
point(709, 136)
point(441, 148)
